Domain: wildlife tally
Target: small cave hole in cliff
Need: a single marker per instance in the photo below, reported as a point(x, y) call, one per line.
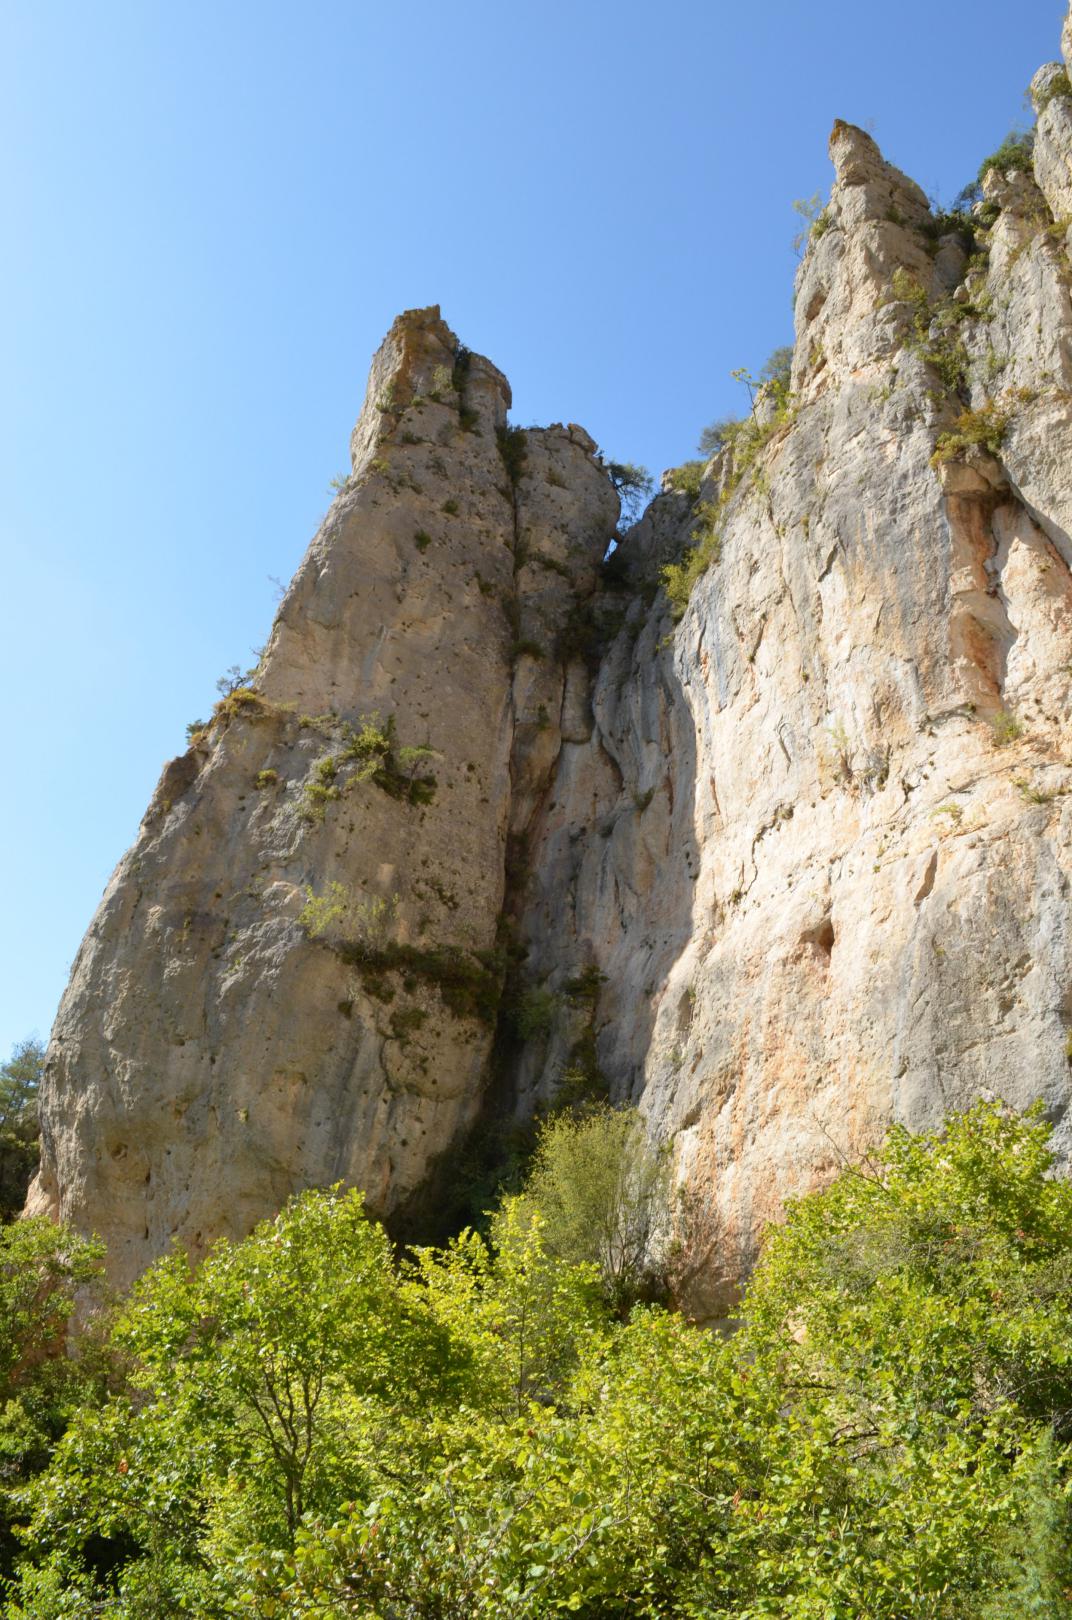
point(821, 936)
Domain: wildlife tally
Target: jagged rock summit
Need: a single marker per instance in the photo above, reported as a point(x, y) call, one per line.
point(491, 822)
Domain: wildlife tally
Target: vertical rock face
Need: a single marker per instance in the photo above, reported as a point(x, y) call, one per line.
point(781, 872)
point(819, 844)
point(293, 976)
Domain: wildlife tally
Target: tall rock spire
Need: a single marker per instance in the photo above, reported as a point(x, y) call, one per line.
point(294, 974)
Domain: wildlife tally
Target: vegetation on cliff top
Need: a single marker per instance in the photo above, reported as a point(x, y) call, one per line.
point(305, 1425)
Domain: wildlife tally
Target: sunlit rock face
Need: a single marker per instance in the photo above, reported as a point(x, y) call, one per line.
point(781, 871)
point(221, 1043)
point(819, 841)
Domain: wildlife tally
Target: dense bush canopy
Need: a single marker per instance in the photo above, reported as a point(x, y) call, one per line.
point(306, 1425)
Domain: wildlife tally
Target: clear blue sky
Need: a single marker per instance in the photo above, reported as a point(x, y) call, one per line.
point(213, 213)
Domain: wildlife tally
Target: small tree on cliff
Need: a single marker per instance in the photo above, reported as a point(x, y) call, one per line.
point(20, 1078)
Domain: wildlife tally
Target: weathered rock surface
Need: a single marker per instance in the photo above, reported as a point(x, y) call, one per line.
point(781, 873)
point(209, 1056)
point(820, 843)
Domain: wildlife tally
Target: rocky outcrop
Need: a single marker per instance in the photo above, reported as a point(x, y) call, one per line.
point(781, 872)
point(294, 975)
point(818, 848)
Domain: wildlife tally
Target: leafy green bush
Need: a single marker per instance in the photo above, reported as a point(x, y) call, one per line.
point(1013, 153)
point(20, 1080)
point(1056, 88)
point(513, 452)
point(704, 549)
point(339, 914)
point(777, 369)
point(817, 219)
point(367, 752)
point(602, 1190)
point(305, 1426)
point(720, 435)
point(533, 1012)
point(687, 479)
point(43, 1269)
point(743, 440)
point(933, 333)
point(985, 427)
point(1036, 1547)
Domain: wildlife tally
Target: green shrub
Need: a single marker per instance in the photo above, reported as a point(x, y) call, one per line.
point(442, 382)
point(468, 983)
point(743, 440)
point(704, 548)
point(338, 914)
point(777, 369)
point(583, 989)
point(1006, 728)
point(950, 222)
point(20, 1081)
point(1057, 88)
point(45, 1269)
point(1036, 1546)
point(933, 333)
point(817, 219)
point(602, 1190)
point(533, 1013)
point(513, 451)
point(266, 778)
point(245, 704)
point(234, 680)
point(1013, 153)
point(720, 435)
point(422, 539)
point(687, 479)
point(412, 755)
point(307, 1425)
point(367, 753)
point(985, 427)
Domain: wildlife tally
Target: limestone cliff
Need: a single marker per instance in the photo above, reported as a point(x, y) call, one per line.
point(781, 872)
point(294, 975)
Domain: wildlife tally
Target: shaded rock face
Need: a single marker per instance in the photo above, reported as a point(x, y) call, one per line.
point(780, 873)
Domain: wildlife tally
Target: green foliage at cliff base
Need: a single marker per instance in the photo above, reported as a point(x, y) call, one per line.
point(307, 1426)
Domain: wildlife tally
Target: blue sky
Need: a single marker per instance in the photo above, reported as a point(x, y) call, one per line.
point(214, 212)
